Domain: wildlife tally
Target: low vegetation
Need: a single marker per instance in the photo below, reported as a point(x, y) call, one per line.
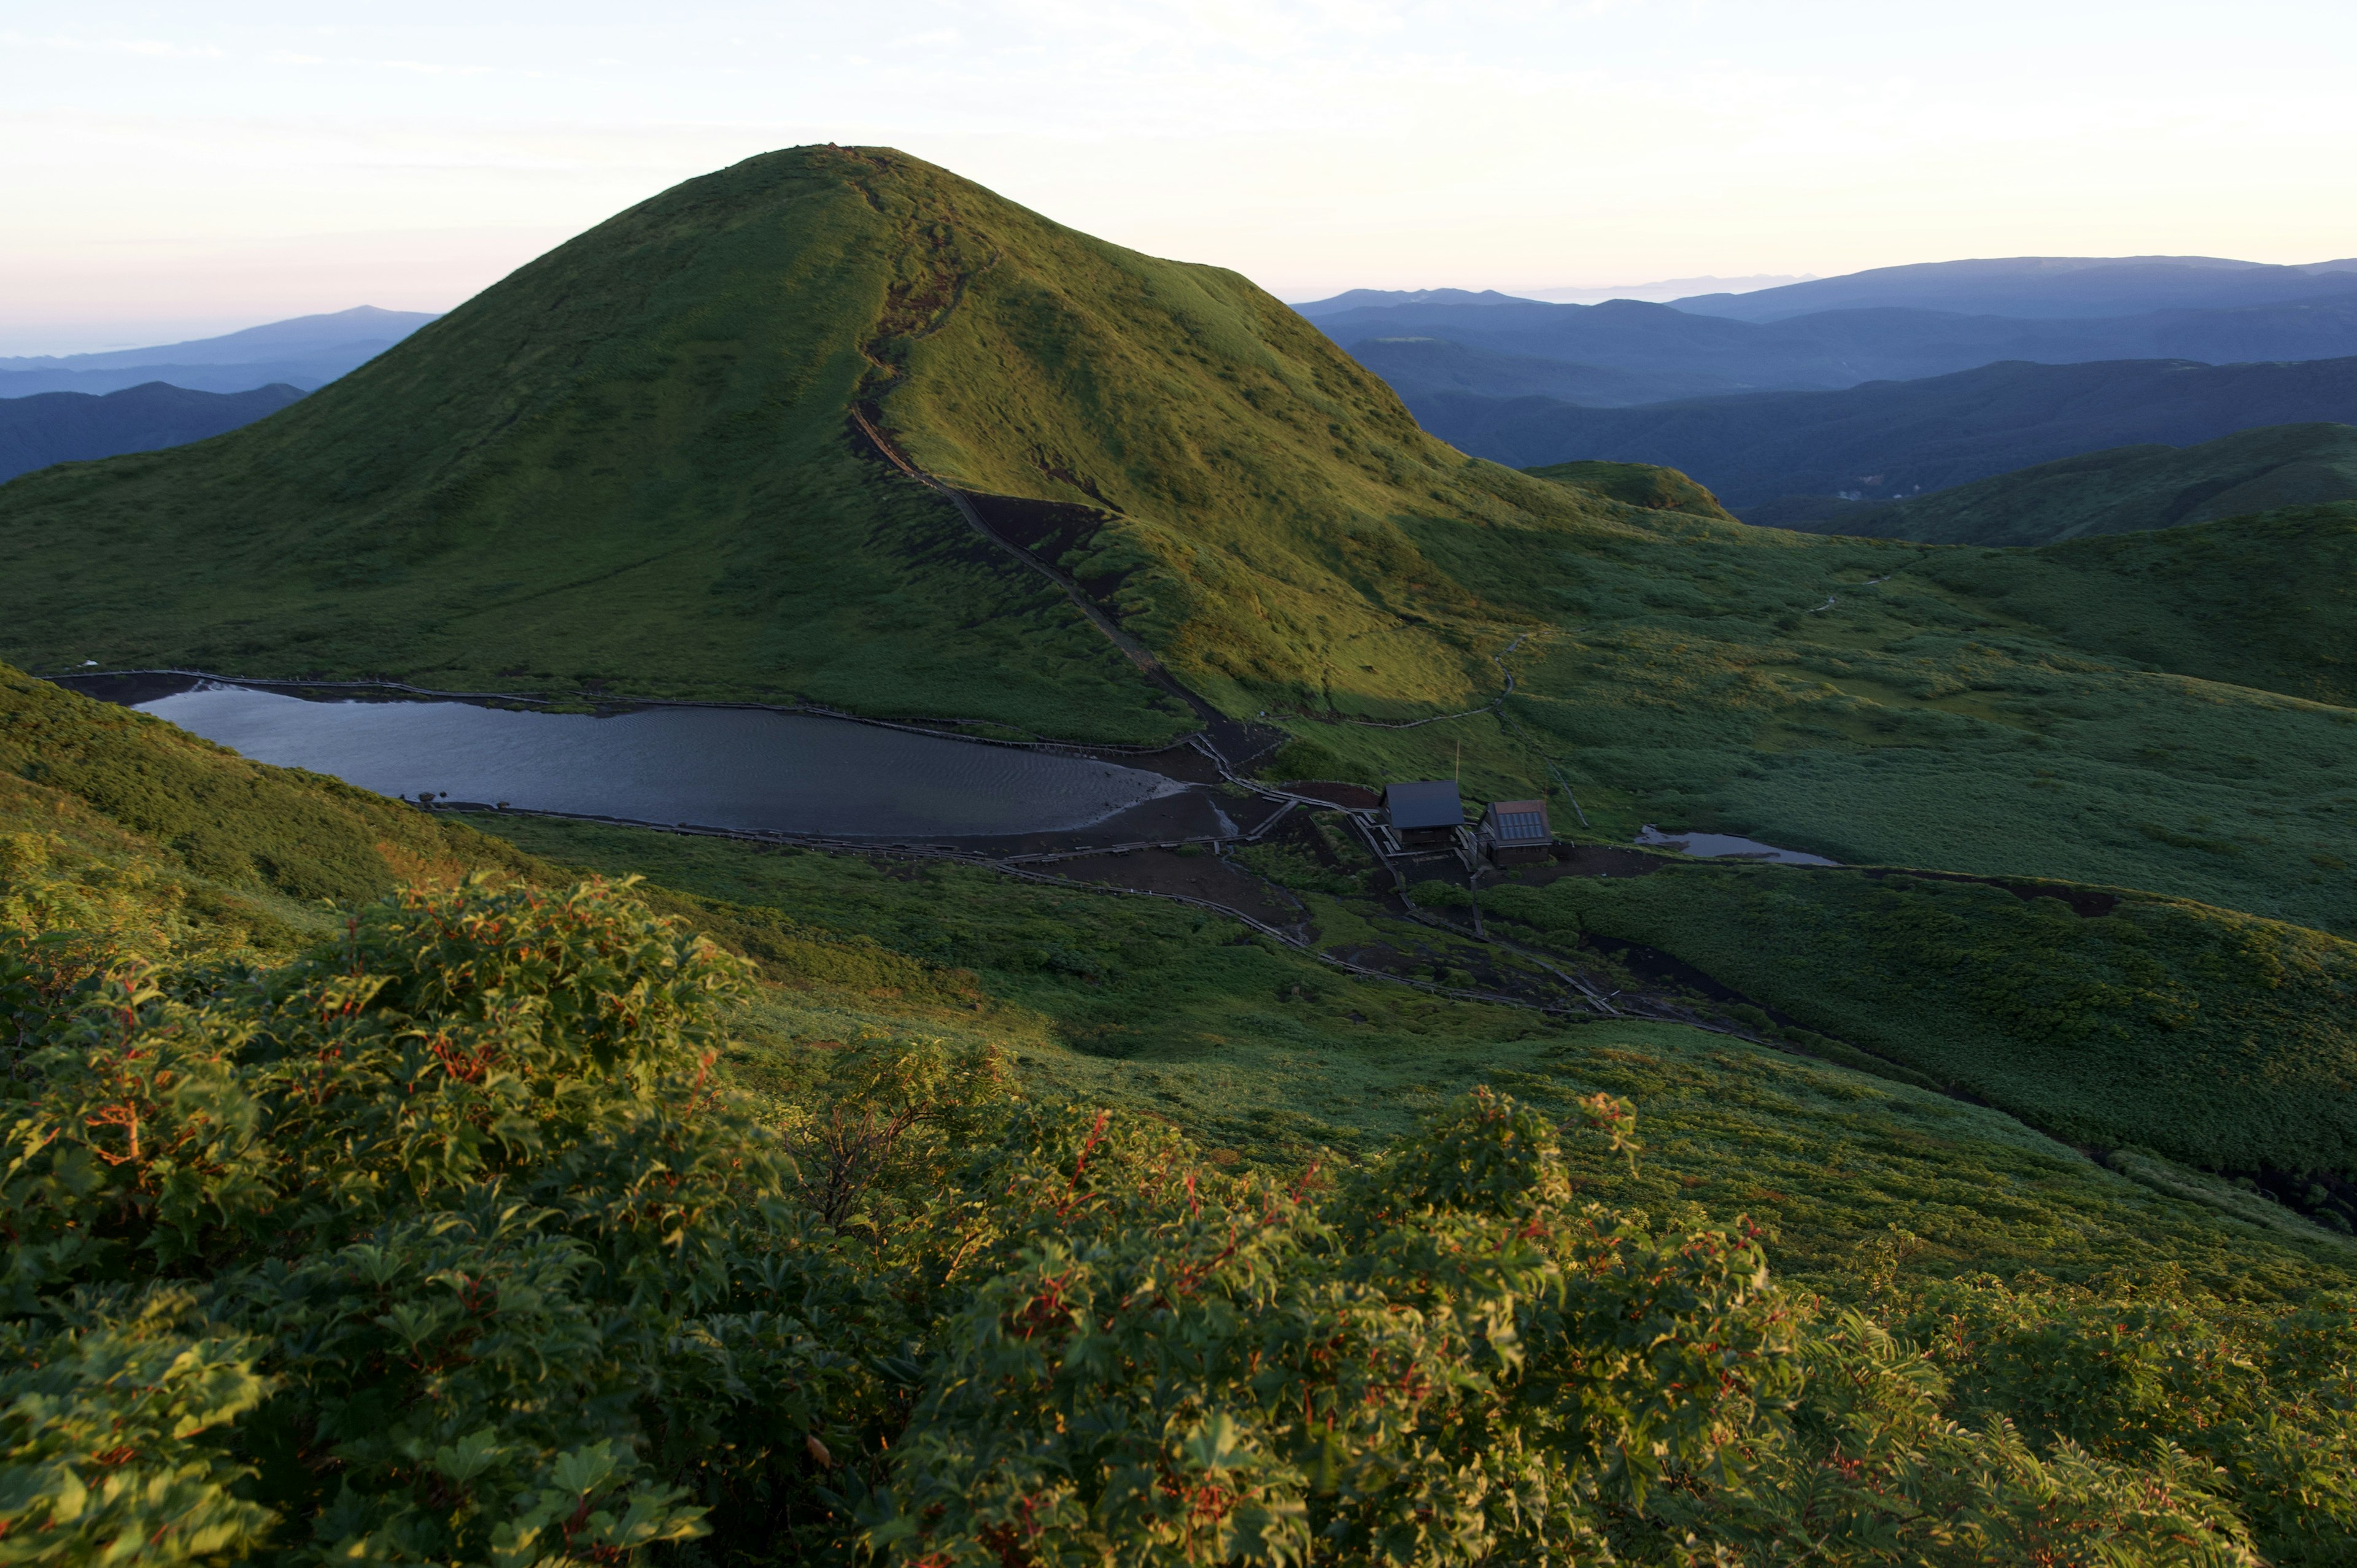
point(2216, 1039)
point(511, 1220)
point(2122, 489)
point(379, 1189)
point(442, 1241)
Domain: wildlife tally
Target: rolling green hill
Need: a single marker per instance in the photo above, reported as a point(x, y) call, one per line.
point(632, 468)
point(630, 463)
point(2120, 491)
point(1638, 484)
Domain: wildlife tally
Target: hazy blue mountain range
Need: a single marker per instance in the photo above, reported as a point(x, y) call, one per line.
point(1666, 290)
point(1889, 439)
point(1694, 356)
point(2120, 491)
point(306, 352)
point(1385, 298)
point(66, 426)
point(2043, 286)
point(1420, 366)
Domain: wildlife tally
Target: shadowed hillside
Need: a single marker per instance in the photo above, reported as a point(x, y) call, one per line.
point(1890, 440)
point(72, 427)
point(2117, 492)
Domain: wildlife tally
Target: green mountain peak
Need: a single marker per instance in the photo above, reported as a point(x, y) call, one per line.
point(632, 464)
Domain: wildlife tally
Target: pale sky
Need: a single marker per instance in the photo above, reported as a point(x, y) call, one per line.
point(170, 171)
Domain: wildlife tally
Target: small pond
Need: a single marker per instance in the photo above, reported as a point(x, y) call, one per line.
point(744, 769)
point(1727, 846)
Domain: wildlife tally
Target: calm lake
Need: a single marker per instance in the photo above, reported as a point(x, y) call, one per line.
point(718, 768)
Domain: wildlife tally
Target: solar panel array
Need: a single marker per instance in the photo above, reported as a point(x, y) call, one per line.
point(1519, 822)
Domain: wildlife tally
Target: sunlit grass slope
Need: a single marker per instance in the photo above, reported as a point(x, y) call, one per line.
point(1639, 485)
point(632, 464)
point(628, 464)
point(236, 852)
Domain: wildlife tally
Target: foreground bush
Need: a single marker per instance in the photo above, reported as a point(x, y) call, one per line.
point(444, 1243)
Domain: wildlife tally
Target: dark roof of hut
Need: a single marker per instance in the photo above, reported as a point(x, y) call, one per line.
point(1430, 804)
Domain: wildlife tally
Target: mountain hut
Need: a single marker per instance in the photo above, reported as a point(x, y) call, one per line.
point(1516, 832)
point(1425, 814)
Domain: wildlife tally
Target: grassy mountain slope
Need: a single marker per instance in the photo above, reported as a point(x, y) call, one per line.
point(2110, 1019)
point(274, 840)
point(1638, 484)
point(1891, 703)
point(2117, 492)
point(633, 465)
point(2267, 601)
point(630, 463)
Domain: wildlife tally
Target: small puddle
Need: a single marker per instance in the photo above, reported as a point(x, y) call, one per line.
point(744, 769)
point(1727, 846)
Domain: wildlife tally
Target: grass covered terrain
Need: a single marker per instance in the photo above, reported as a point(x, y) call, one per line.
point(746, 1228)
point(627, 465)
point(2188, 599)
point(1890, 703)
point(222, 851)
point(2214, 1038)
point(630, 465)
point(2124, 489)
point(1263, 1050)
point(1637, 485)
point(1253, 1046)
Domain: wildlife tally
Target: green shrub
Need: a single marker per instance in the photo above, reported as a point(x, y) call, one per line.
point(443, 1242)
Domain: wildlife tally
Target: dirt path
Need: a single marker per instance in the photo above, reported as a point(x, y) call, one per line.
point(1235, 742)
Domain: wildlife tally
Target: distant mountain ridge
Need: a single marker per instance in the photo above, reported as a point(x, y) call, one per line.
point(305, 351)
point(2120, 491)
point(1888, 440)
point(1388, 298)
point(1665, 290)
point(1671, 353)
point(70, 427)
point(2048, 287)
